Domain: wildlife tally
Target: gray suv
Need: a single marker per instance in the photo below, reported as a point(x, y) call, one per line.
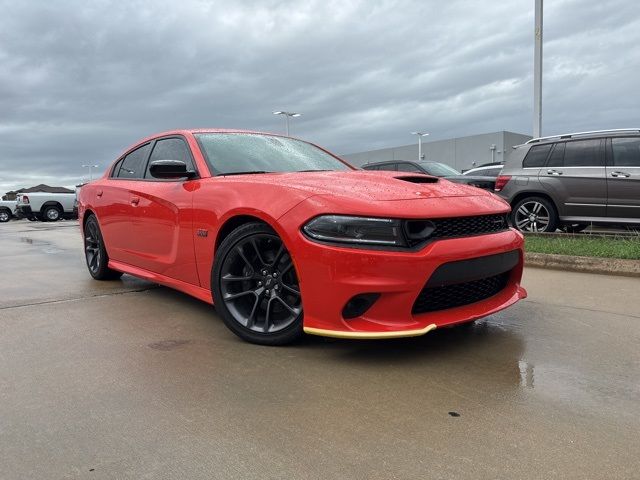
point(569, 181)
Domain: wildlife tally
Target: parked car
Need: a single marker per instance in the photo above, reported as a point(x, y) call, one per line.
point(488, 170)
point(573, 180)
point(48, 207)
point(7, 210)
point(261, 225)
point(435, 169)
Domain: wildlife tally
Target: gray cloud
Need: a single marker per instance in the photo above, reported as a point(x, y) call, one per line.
point(80, 81)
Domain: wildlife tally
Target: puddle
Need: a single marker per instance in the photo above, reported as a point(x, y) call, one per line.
point(49, 249)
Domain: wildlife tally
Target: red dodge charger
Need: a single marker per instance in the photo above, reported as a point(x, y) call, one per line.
point(284, 238)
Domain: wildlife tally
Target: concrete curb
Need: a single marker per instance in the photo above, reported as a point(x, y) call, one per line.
point(604, 266)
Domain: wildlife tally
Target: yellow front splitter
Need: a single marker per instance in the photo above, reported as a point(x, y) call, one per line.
point(369, 335)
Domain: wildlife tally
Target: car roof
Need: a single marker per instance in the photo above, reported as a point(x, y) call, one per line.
point(400, 161)
point(577, 135)
point(186, 131)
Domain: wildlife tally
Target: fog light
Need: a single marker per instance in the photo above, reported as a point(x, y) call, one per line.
point(359, 304)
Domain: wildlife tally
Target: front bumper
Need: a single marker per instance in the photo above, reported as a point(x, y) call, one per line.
point(330, 276)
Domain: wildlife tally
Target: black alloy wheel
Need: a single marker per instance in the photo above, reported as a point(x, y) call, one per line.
point(95, 252)
point(255, 286)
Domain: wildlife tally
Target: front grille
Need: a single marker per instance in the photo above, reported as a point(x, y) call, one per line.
point(468, 226)
point(436, 298)
point(418, 232)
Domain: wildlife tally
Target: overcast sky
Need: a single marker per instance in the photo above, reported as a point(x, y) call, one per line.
point(82, 80)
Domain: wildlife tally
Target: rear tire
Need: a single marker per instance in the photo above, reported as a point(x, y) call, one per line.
point(534, 214)
point(51, 214)
point(96, 253)
point(5, 215)
point(255, 287)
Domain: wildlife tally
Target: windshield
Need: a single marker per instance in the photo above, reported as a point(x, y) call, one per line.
point(229, 153)
point(439, 169)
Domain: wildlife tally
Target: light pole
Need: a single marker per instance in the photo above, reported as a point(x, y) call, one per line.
point(537, 71)
point(420, 135)
point(286, 117)
point(90, 167)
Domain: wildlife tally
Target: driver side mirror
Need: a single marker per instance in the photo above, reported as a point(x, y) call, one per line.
point(170, 169)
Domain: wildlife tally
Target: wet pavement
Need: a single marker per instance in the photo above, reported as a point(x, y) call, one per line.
point(126, 379)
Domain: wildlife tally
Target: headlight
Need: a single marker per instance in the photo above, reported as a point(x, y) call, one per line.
point(356, 230)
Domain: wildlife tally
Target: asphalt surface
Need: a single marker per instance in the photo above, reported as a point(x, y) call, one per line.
point(128, 380)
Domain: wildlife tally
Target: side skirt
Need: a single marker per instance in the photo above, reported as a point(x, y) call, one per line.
point(193, 290)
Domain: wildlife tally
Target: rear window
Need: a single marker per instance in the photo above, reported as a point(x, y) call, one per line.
point(537, 156)
point(557, 156)
point(132, 166)
point(386, 167)
point(408, 167)
point(626, 152)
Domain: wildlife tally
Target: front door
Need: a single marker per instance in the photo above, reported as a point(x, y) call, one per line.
point(623, 178)
point(163, 217)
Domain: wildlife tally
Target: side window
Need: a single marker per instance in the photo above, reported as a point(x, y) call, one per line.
point(626, 152)
point(583, 153)
point(132, 166)
point(389, 167)
point(407, 167)
point(557, 156)
point(116, 168)
point(170, 149)
point(537, 156)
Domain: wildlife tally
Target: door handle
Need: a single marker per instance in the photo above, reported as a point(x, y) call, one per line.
point(620, 174)
point(554, 172)
point(135, 200)
point(99, 193)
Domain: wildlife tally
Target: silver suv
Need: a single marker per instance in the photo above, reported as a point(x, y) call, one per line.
point(569, 181)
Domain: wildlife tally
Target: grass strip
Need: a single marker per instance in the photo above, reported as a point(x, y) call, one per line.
point(585, 246)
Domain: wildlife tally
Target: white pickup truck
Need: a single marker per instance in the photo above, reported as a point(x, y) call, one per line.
point(48, 207)
point(7, 210)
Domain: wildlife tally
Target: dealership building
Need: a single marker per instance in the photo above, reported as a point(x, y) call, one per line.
point(461, 153)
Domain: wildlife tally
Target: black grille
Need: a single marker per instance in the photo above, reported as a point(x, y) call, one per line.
point(468, 226)
point(432, 299)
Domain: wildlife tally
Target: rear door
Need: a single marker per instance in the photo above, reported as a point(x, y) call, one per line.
point(113, 204)
point(623, 177)
point(163, 216)
point(575, 177)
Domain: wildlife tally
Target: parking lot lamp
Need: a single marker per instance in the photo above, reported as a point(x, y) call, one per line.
point(286, 117)
point(90, 167)
point(420, 135)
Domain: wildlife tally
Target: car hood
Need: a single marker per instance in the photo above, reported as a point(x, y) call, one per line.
point(363, 185)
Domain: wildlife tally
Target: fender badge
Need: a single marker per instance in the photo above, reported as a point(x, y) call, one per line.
point(202, 233)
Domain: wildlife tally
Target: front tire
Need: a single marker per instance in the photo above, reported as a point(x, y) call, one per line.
point(96, 253)
point(5, 215)
point(255, 287)
point(534, 214)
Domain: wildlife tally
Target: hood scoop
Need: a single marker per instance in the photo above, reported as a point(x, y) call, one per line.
point(418, 179)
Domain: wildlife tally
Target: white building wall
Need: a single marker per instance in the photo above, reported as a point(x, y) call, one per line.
point(461, 153)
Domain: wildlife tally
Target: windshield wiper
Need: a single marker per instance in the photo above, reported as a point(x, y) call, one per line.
point(248, 172)
point(320, 170)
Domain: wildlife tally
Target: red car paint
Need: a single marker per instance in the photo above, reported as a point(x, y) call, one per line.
point(167, 232)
